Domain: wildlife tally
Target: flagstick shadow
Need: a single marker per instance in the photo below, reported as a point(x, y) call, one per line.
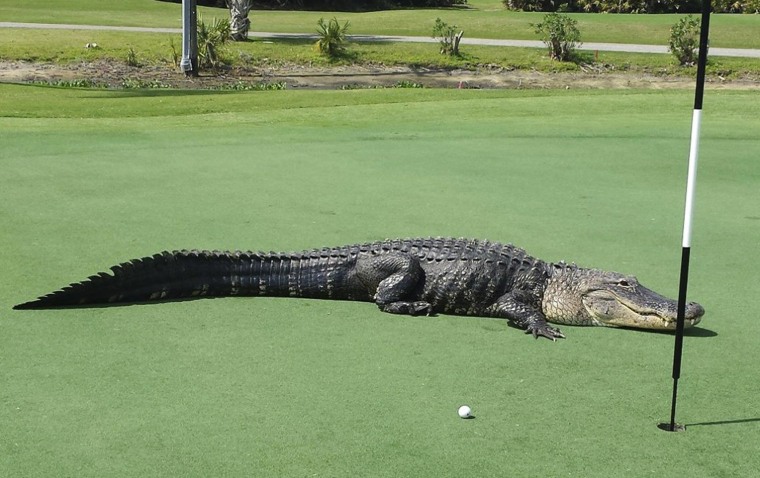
point(724, 422)
point(699, 332)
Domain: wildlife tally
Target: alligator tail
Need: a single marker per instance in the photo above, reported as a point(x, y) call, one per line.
point(192, 274)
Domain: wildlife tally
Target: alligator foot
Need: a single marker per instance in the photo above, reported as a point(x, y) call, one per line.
point(407, 308)
point(544, 330)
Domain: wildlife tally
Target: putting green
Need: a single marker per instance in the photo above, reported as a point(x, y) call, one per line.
point(276, 387)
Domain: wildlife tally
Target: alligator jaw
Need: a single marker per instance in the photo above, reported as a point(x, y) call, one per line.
point(580, 296)
point(638, 307)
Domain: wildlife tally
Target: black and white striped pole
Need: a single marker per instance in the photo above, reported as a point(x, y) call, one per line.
point(688, 212)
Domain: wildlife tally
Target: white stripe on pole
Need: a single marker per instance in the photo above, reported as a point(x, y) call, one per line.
point(691, 182)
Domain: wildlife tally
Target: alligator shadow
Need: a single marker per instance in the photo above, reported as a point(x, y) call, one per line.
point(690, 332)
point(114, 305)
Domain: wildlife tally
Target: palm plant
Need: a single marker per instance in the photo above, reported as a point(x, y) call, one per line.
point(332, 37)
point(211, 39)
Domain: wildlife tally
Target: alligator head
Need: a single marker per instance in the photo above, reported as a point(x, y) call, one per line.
point(575, 295)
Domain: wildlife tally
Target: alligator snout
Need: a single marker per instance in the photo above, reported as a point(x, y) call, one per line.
point(693, 313)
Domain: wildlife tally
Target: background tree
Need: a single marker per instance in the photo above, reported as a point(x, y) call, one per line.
point(239, 22)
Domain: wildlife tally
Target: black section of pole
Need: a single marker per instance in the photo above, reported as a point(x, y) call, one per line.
point(194, 36)
point(681, 313)
point(704, 31)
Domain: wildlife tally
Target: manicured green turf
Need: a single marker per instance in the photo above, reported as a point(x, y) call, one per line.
point(277, 387)
point(484, 19)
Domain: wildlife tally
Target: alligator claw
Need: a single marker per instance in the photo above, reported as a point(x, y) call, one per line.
point(544, 330)
point(408, 308)
point(421, 308)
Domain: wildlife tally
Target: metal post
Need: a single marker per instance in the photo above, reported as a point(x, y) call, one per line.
point(189, 62)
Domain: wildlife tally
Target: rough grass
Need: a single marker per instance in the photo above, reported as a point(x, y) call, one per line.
point(296, 387)
point(156, 48)
point(484, 19)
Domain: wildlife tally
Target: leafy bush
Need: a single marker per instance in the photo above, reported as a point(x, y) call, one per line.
point(176, 56)
point(684, 40)
point(335, 5)
point(632, 6)
point(332, 37)
point(530, 5)
point(560, 33)
point(132, 58)
point(80, 83)
point(735, 6)
point(357, 5)
point(447, 36)
point(138, 84)
point(211, 40)
point(246, 86)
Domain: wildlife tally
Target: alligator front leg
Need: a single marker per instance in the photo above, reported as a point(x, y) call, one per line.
point(395, 278)
point(523, 315)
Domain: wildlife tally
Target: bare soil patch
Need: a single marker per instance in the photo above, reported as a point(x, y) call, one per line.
point(117, 74)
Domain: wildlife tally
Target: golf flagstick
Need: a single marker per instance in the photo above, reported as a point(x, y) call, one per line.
point(688, 212)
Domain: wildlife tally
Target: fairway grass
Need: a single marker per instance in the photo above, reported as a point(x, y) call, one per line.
point(286, 387)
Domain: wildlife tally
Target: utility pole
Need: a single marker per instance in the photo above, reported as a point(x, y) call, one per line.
point(189, 62)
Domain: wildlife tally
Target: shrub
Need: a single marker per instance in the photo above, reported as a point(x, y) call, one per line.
point(684, 40)
point(132, 58)
point(560, 33)
point(211, 40)
point(530, 5)
point(619, 6)
point(447, 36)
point(356, 5)
point(332, 37)
point(176, 56)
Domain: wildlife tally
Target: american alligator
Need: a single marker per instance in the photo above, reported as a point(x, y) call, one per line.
point(402, 276)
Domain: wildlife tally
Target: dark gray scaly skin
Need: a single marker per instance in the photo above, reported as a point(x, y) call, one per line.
point(402, 276)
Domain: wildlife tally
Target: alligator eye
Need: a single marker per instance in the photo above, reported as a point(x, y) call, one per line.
point(624, 283)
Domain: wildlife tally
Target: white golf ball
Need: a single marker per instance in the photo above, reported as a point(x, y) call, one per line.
point(464, 411)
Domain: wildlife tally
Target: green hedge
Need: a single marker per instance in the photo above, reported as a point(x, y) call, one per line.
point(335, 5)
point(632, 6)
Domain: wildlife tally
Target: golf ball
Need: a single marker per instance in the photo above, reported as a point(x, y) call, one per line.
point(464, 411)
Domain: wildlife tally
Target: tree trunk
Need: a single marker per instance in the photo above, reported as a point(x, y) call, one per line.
point(457, 39)
point(239, 22)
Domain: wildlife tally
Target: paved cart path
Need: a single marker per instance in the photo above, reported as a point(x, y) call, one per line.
point(621, 47)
